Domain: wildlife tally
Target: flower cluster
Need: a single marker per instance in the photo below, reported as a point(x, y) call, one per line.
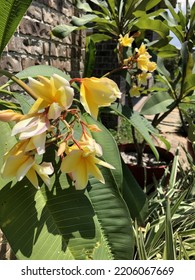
point(51, 120)
point(139, 63)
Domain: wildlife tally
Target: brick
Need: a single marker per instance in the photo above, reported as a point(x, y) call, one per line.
point(30, 61)
point(35, 12)
point(54, 4)
point(3, 80)
point(11, 64)
point(50, 17)
point(35, 28)
point(25, 45)
point(64, 65)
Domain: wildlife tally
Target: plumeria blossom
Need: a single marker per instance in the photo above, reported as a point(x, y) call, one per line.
point(143, 60)
point(135, 91)
point(81, 162)
point(55, 94)
point(33, 127)
point(19, 163)
point(125, 41)
point(143, 78)
point(98, 92)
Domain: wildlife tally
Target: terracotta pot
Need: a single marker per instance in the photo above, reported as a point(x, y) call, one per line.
point(190, 149)
point(144, 175)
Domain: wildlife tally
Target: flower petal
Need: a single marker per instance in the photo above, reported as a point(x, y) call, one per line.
point(80, 176)
point(93, 170)
point(24, 168)
point(71, 161)
point(32, 177)
point(54, 111)
point(43, 170)
point(97, 93)
point(39, 143)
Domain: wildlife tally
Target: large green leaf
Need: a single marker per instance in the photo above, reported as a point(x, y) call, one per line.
point(139, 123)
point(157, 103)
point(62, 223)
point(90, 57)
point(169, 249)
point(11, 13)
point(80, 21)
point(63, 30)
point(155, 25)
point(134, 197)
point(41, 70)
point(189, 84)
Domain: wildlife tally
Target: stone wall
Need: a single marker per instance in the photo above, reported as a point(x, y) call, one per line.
point(32, 43)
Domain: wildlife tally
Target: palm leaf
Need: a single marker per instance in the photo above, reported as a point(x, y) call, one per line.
point(11, 13)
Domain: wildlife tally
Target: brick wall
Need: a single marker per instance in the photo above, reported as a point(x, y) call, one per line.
point(32, 43)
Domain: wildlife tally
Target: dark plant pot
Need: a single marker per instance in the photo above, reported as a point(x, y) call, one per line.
point(190, 149)
point(144, 175)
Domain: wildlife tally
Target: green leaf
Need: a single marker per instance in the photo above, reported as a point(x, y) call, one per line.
point(6, 141)
point(4, 105)
point(113, 216)
point(83, 20)
point(189, 84)
point(168, 51)
point(111, 4)
point(169, 252)
point(98, 37)
point(62, 31)
point(11, 13)
point(90, 57)
point(134, 197)
point(157, 103)
point(83, 6)
point(25, 102)
point(161, 229)
point(51, 224)
point(155, 25)
point(140, 124)
point(41, 70)
point(91, 51)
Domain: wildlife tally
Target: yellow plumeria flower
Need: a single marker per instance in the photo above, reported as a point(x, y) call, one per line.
point(151, 66)
point(98, 92)
point(18, 163)
point(135, 91)
point(143, 78)
point(125, 41)
point(54, 93)
point(142, 51)
point(81, 162)
point(143, 60)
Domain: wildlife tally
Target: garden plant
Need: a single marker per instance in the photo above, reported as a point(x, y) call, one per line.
point(65, 193)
